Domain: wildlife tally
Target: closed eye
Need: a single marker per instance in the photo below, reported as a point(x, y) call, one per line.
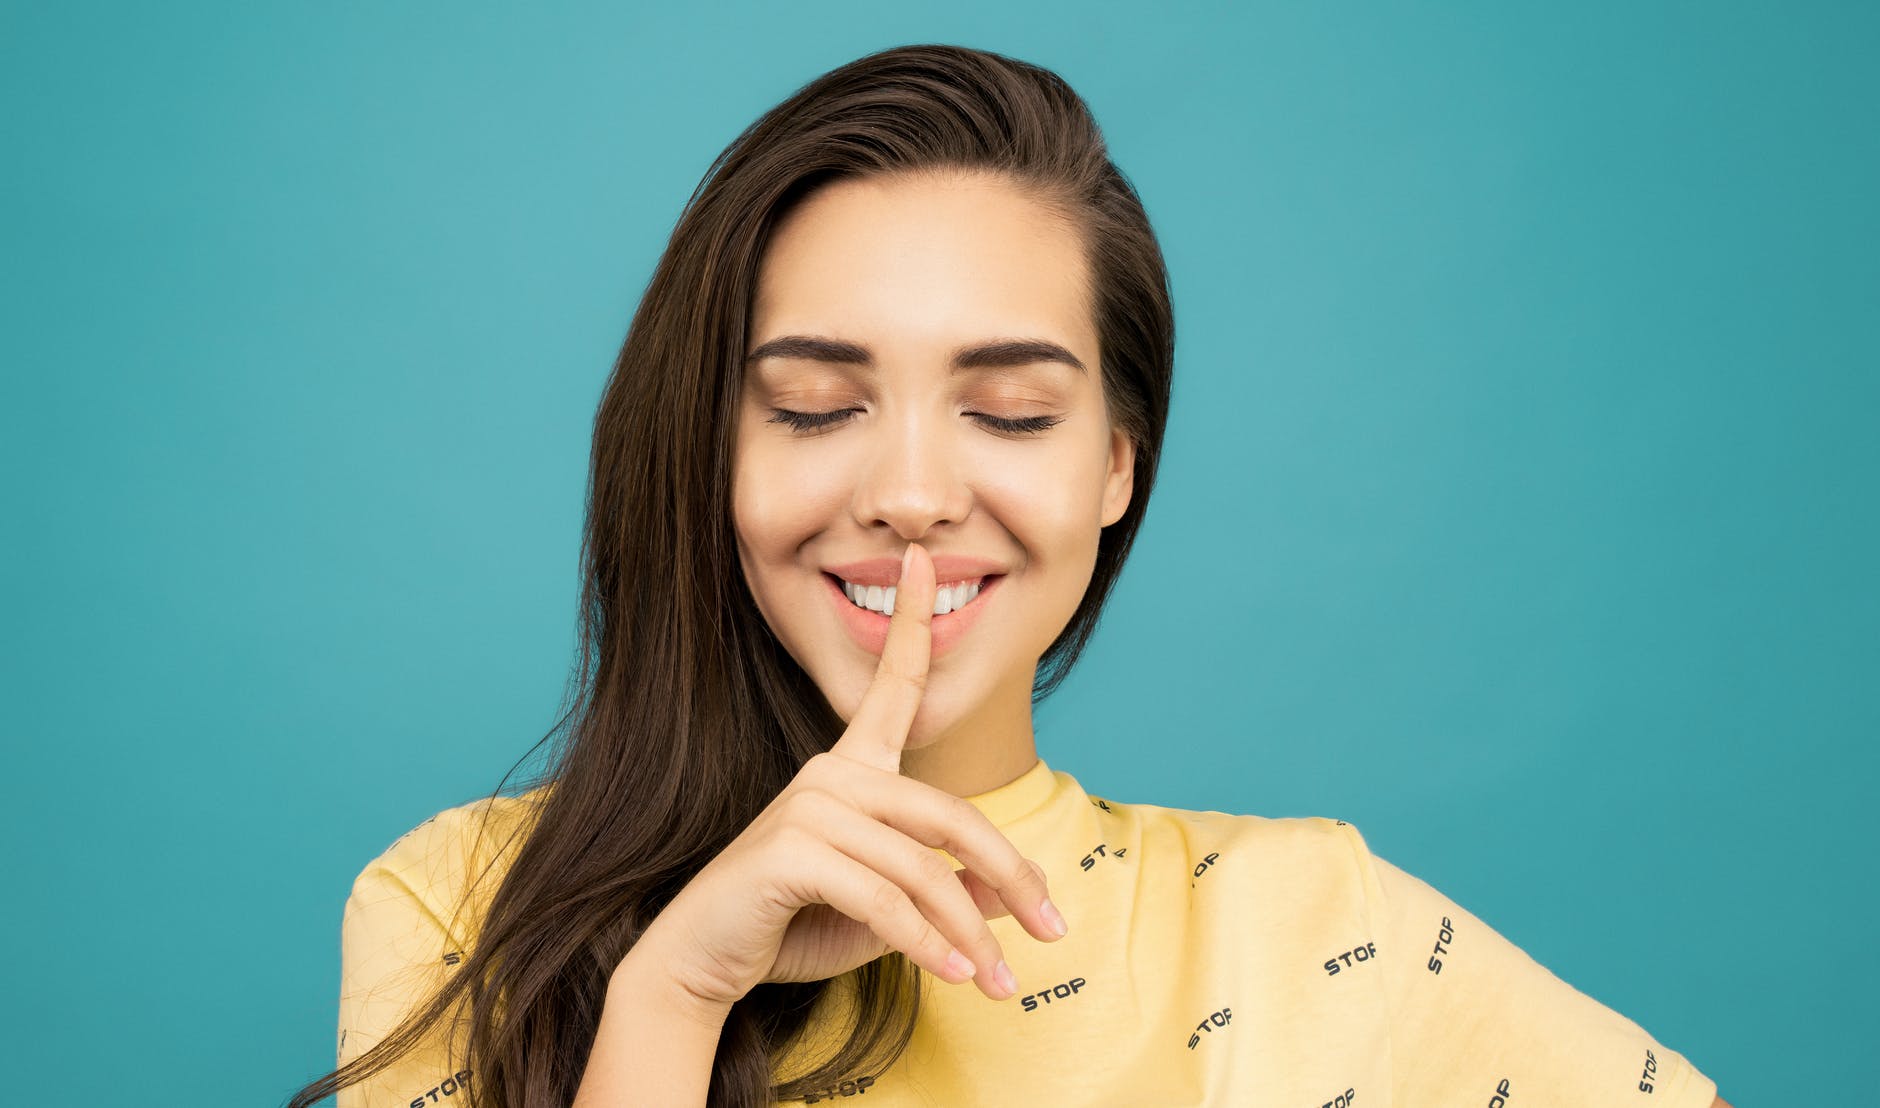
point(812, 421)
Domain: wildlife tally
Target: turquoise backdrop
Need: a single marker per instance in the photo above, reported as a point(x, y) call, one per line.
point(1519, 503)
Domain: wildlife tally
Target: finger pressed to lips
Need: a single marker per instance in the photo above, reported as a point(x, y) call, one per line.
point(867, 629)
point(878, 732)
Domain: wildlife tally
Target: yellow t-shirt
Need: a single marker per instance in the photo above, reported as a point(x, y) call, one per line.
point(1213, 959)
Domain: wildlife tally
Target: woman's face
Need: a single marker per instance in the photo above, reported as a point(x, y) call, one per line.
point(897, 283)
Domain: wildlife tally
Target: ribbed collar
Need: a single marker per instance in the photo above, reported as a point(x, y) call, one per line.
point(1019, 797)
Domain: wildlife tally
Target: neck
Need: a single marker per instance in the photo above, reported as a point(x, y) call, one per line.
point(987, 749)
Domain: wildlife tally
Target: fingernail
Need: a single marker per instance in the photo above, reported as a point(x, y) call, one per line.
point(1053, 917)
point(1002, 973)
point(958, 963)
point(907, 557)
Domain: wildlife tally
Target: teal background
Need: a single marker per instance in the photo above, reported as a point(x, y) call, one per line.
point(1518, 504)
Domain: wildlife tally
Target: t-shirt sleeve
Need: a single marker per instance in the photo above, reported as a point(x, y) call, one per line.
point(395, 948)
point(1475, 1020)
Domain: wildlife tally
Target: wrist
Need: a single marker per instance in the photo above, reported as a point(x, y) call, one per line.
point(646, 977)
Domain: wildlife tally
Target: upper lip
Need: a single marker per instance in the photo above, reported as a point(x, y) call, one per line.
point(887, 571)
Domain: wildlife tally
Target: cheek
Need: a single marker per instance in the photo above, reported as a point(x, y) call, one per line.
point(1051, 504)
point(767, 502)
point(753, 510)
point(777, 505)
point(763, 517)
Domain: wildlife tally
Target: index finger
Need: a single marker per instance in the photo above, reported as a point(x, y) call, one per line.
point(879, 730)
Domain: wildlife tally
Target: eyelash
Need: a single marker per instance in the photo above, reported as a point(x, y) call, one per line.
point(811, 421)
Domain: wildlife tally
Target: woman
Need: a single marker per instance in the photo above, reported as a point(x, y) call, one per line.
point(871, 459)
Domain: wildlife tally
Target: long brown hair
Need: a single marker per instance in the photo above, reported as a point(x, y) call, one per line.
point(688, 714)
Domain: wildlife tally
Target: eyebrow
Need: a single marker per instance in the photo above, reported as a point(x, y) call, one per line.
point(997, 354)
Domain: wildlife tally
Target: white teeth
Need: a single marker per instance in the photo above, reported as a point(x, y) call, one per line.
point(879, 599)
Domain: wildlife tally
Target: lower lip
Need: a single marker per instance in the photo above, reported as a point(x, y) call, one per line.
point(869, 628)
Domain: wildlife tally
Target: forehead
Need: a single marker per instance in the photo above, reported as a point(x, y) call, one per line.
point(923, 263)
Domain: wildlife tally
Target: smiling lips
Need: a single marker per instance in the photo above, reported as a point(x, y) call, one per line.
point(948, 569)
point(869, 628)
point(946, 598)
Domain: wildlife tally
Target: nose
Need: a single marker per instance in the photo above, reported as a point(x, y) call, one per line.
point(913, 478)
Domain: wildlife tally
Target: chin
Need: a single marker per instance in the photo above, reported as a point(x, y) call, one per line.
point(939, 716)
point(935, 716)
point(918, 739)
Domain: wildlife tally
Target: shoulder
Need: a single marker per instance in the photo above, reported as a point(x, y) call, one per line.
point(451, 833)
point(1306, 835)
point(430, 866)
point(1319, 848)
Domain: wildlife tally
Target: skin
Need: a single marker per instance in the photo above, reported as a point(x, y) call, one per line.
point(912, 269)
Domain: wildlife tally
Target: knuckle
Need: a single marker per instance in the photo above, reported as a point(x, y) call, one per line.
point(793, 841)
point(829, 771)
point(962, 819)
point(1028, 874)
point(932, 868)
point(886, 900)
point(928, 937)
point(915, 681)
point(806, 801)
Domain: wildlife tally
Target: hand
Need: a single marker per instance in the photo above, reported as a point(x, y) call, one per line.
point(836, 871)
